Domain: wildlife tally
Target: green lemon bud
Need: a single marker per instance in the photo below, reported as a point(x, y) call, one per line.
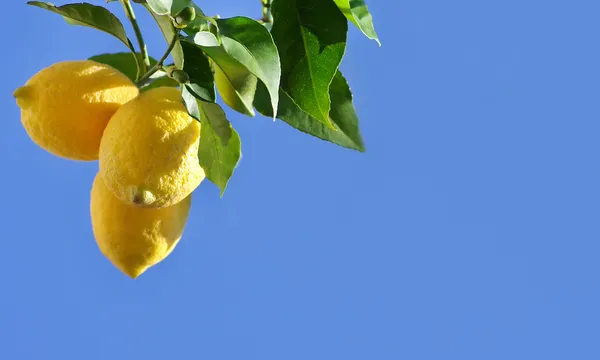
point(184, 17)
point(178, 75)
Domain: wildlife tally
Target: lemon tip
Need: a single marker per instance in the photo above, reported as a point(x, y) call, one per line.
point(142, 197)
point(22, 94)
point(133, 273)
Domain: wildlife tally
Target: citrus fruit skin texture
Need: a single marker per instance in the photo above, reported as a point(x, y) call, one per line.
point(149, 151)
point(66, 106)
point(133, 238)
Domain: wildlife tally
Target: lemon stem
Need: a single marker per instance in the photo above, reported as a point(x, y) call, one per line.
point(138, 33)
point(267, 18)
point(22, 94)
point(160, 62)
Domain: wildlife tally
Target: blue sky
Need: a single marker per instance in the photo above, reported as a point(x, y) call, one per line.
point(469, 229)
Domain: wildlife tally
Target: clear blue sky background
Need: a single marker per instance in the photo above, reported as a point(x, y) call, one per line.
point(469, 230)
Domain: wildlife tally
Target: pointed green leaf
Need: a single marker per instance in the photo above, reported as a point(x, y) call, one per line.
point(342, 113)
point(125, 63)
point(160, 79)
point(237, 88)
point(219, 151)
point(197, 66)
point(346, 131)
point(167, 7)
point(311, 38)
point(122, 61)
point(190, 102)
point(251, 44)
point(356, 11)
point(220, 147)
point(218, 161)
point(160, 7)
point(234, 81)
point(212, 113)
point(89, 15)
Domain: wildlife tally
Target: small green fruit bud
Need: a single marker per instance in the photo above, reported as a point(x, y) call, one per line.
point(179, 75)
point(184, 17)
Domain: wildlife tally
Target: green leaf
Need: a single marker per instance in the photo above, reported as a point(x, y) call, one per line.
point(356, 11)
point(167, 7)
point(190, 102)
point(125, 63)
point(168, 30)
point(213, 113)
point(237, 88)
point(343, 114)
point(89, 15)
point(234, 81)
point(159, 79)
point(346, 131)
point(218, 161)
point(251, 44)
point(311, 38)
point(197, 66)
point(220, 147)
point(122, 61)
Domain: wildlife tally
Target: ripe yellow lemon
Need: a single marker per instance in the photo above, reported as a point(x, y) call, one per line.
point(132, 238)
point(66, 106)
point(149, 151)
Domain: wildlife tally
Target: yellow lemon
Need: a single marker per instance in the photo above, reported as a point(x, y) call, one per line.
point(132, 238)
point(66, 106)
point(149, 151)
